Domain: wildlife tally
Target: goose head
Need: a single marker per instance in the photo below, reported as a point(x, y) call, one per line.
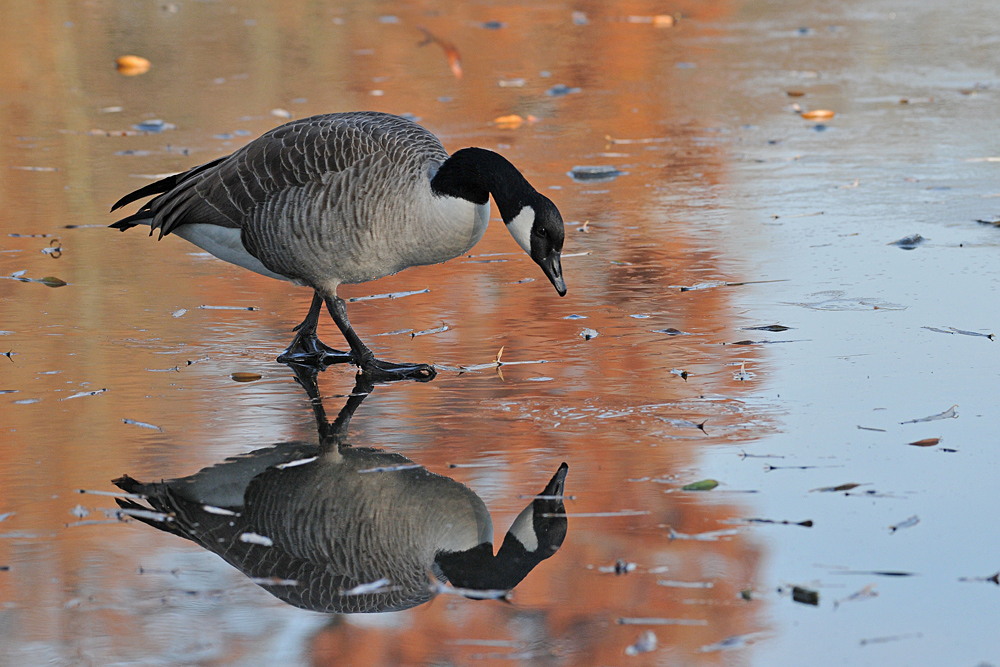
point(540, 528)
point(473, 174)
point(538, 228)
point(536, 534)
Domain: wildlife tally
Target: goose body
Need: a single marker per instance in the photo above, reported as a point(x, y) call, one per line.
point(348, 198)
point(347, 517)
point(338, 518)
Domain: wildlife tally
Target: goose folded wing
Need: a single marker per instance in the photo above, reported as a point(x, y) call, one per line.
point(227, 191)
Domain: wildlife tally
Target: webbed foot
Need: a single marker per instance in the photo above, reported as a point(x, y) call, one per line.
point(387, 371)
point(308, 350)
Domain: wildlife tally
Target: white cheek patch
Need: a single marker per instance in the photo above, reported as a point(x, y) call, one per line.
point(523, 529)
point(520, 228)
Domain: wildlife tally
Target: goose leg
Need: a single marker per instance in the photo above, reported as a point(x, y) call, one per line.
point(331, 434)
point(383, 371)
point(306, 348)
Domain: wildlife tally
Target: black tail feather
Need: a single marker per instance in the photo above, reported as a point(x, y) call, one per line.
point(133, 220)
point(156, 188)
point(163, 185)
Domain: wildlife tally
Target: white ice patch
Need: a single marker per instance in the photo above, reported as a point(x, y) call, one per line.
point(520, 228)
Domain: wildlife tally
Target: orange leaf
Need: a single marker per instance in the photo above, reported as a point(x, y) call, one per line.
point(818, 114)
point(132, 65)
point(511, 122)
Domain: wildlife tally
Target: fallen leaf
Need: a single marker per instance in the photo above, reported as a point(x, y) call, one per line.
point(450, 52)
point(909, 242)
point(81, 394)
point(818, 114)
point(511, 122)
point(743, 375)
point(865, 593)
point(427, 332)
point(808, 523)
point(953, 330)
point(971, 333)
point(52, 281)
point(794, 93)
point(132, 65)
point(701, 485)
point(906, 523)
point(152, 427)
point(595, 174)
point(995, 579)
point(389, 295)
point(768, 327)
point(736, 641)
point(926, 442)
point(950, 413)
point(805, 596)
point(246, 377)
point(842, 487)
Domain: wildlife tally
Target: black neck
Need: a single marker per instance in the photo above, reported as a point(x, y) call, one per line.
point(474, 174)
point(478, 569)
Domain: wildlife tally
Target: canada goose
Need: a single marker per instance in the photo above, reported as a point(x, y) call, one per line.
point(348, 198)
point(345, 529)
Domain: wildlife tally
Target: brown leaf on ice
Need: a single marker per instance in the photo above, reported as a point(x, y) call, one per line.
point(450, 52)
point(132, 65)
point(842, 487)
point(818, 114)
point(51, 281)
point(926, 442)
point(511, 122)
point(245, 377)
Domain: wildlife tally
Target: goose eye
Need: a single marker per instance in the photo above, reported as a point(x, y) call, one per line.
point(541, 231)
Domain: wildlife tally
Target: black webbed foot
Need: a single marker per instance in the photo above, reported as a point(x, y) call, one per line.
point(387, 371)
point(308, 350)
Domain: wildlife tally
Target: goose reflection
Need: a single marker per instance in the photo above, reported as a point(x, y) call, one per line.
point(336, 528)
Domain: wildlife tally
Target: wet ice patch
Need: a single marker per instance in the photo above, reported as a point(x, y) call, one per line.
point(836, 301)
